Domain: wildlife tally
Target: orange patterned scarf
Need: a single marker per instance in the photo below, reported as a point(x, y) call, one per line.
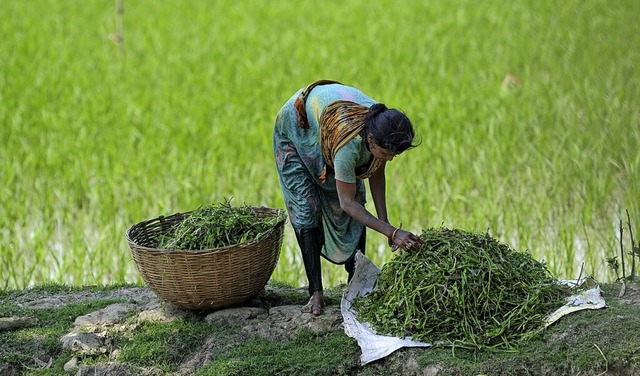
point(340, 122)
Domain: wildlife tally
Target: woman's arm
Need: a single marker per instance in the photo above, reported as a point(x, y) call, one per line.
point(348, 203)
point(378, 192)
point(398, 237)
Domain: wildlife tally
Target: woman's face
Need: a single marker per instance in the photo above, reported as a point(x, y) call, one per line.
point(377, 150)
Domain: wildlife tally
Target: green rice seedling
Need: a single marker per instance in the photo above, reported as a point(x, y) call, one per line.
point(462, 289)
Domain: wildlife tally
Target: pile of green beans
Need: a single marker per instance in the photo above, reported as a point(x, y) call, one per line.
point(462, 289)
point(216, 225)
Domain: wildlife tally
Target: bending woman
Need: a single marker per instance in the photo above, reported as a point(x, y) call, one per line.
point(327, 139)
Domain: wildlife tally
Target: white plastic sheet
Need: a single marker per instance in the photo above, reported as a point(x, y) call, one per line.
point(375, 346)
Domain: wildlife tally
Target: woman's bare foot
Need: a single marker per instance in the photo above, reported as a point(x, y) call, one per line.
point(315, 305)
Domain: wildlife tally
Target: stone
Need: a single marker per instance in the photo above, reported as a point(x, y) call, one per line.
point(109, 369)
point(16, 322)
point(71, 365)
point(43, 303)
point(106, 316)
point(86, 342)
point(238, 313)
point(156, 315)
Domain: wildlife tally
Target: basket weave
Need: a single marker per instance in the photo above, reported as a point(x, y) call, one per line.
point(205, 279)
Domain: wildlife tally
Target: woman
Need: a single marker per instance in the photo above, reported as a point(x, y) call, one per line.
point(327, 139)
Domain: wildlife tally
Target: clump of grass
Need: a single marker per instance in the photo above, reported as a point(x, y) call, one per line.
point(635, 254)
point(306, 354)
point(462, 289)
point(217, 225)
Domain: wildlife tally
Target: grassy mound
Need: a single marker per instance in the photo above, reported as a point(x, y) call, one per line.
point(462, 289)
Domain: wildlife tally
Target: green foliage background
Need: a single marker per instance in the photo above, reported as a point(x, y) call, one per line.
point(97, 135)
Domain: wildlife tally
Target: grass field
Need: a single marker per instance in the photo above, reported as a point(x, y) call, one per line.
point(528, 111)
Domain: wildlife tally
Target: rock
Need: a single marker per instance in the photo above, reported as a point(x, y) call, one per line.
point(107, 316)
point(42, 364)
point(43, 303)
point(86, 342)
point(431, 370)
point(71, 365)
point(156, 314)
point(236, 314)
point(109, 369)
point(153, 304)
point(137, 295)
point(152, 371)
point(115, 355)
point(16, 322)
point(202, 356)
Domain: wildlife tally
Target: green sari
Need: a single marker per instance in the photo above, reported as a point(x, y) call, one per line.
point(307, 177)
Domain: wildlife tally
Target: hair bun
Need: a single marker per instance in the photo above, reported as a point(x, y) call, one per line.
point(376, 110)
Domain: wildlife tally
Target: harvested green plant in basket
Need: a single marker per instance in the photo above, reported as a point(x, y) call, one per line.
point(462, 289)
point(217, 225)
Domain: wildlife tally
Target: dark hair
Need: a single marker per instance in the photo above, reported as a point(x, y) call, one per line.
point(391, 128)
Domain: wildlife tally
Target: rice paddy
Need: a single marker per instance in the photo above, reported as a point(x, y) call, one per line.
point(528, 112)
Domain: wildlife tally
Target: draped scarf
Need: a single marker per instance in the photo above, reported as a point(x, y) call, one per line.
point(301, 102)
point(340, 122)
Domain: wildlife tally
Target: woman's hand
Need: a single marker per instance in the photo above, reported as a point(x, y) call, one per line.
point(404, 240)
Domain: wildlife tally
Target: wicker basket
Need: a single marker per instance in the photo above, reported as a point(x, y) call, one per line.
point(206, 279)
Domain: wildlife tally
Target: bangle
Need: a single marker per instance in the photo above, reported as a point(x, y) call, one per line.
point(393, 235)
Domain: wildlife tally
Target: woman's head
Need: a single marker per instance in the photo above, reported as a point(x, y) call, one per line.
point(389, 129)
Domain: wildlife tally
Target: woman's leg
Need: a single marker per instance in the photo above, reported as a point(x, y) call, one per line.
point(303, 205)
point(310, 241)
point(350, 265)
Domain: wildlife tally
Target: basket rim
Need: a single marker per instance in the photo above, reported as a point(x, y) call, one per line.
point(280, 213)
